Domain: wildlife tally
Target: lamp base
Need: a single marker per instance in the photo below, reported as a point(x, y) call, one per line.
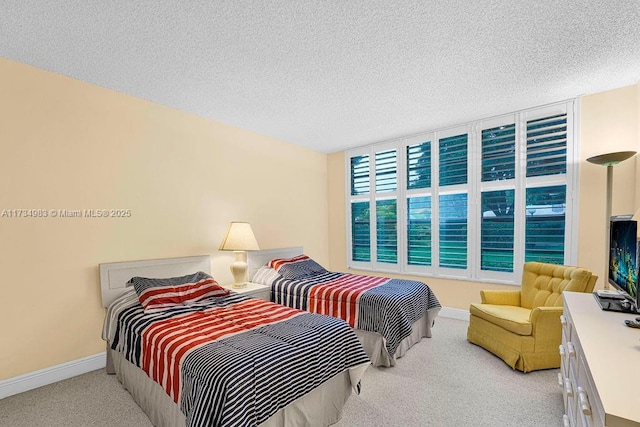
point(239, 270)
point(239, 285)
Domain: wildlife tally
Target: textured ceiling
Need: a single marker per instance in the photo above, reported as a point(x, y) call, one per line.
point(333, 74)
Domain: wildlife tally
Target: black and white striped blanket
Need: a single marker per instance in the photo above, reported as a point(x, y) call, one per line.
point(375, 304)
point(244, 377)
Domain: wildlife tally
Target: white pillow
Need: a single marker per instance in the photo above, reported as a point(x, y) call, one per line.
point(265, 276)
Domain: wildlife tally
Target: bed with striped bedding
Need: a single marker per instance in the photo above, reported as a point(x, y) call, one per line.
point(233, 360)
point(388, 307)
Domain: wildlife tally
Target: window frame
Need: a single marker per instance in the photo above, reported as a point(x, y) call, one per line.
point(516, 185)
point(418, 192)
point(474, 189)
point(372, 197)
point(445, 272)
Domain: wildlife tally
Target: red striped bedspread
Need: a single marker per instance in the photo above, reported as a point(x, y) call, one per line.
point(166, 342)
point(340, 297)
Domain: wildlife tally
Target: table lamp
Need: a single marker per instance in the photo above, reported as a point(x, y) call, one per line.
point(239, 239)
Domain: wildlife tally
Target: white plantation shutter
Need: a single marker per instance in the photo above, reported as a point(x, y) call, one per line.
point(497, 230)
point(545, 224)
point(419, 230)
point(419, 165)
point(497, 197)
point(453, 231)
point(546, 231)
point(360, 232)
point(386, 206)
point(418, 203)
point(387, 231)
point(547, 145)
point(453, 164)
point(360, 218)
point(386, 171)
point(359, 175)
point(499, 153)
point(453, 202)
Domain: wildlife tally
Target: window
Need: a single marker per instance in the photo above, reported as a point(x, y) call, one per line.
point(497, 197)
point(472, 202)
point(360, 225)
point(374, 209)
point(546, 205)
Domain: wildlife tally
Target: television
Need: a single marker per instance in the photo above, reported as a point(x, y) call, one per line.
point(623, 263)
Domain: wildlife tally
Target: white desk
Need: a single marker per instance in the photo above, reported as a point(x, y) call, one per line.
point(600, 369)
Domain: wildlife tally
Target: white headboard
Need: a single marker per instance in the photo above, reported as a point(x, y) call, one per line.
point(115, 275)
point(256, 259)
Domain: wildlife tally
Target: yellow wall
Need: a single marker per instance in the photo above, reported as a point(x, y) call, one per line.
point(70, 145)
point(609, 122)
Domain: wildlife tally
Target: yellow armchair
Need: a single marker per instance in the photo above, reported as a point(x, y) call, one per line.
point(522, 327)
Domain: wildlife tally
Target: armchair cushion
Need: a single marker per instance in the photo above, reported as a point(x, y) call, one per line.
point(513, 319)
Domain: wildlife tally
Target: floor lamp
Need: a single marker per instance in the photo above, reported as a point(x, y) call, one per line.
point(609, 160)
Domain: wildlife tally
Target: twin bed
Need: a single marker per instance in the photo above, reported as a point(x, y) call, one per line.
point(192, 353)
point(388, 315)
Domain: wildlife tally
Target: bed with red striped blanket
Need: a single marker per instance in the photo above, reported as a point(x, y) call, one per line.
point(233, 360)
point(388, 307)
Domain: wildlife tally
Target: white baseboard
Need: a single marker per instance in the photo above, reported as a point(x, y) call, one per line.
point(46, 376)
point(454, 313)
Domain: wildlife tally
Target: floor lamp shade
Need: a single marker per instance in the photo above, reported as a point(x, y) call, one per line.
point(609, 160)
point(239, 239)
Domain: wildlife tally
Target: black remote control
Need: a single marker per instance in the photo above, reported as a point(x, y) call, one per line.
point(632, 323)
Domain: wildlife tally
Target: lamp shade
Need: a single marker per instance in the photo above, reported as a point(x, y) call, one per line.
point(611, 159)
point(239, 237)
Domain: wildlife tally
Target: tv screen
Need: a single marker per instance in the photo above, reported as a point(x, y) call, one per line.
point(623, 256)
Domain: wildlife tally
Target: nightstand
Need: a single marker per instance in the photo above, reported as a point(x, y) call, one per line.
point(254, 290)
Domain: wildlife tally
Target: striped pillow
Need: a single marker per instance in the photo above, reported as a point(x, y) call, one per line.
point(161, 294)
point(297, 267)
point(265, 276)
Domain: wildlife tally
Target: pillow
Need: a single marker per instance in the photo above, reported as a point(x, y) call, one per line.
point(265, 276)
point(160, 294)
point(297, 267)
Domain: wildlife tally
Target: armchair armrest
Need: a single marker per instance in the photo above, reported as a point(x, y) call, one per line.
point(500, 297)
point(546, 327)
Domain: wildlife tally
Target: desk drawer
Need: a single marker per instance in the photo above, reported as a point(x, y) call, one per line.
point(588, 405)
point(565, 321)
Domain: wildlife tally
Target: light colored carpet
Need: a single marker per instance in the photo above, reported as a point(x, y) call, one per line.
point(442, 381)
